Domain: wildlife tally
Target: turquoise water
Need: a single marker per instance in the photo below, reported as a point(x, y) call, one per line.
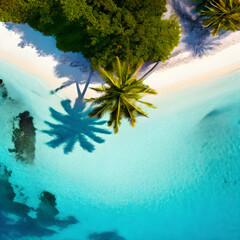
point(175, 176)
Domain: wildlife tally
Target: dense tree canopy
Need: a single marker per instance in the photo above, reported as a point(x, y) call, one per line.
point(131, 29)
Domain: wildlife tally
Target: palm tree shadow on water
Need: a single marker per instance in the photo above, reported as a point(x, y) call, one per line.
point(75, 126)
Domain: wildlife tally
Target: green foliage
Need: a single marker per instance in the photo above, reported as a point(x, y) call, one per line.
point(142, 10)
point(221, 14)
point(163, 36)
point(121, 95)
point(100, 29)
point(13, 10)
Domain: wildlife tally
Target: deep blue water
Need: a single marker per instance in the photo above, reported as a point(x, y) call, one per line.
point(175, 176)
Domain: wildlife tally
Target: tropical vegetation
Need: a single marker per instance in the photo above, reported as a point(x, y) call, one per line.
point(221, 14)
point(121, 95)
point(131, 29)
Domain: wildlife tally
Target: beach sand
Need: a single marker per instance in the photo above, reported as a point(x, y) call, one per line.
point(188, 71)
point(182, 70)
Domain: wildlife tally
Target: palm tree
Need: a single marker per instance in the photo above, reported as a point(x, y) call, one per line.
point(222, 14)
point(121, 95)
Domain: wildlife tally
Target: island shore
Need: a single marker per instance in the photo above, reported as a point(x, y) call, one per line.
point(180, 71)
point(184, 70)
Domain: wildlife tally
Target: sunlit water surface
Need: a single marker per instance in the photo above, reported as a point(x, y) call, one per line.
point(174, 176)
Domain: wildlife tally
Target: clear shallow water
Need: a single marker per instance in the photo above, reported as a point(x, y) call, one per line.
point(175, 176)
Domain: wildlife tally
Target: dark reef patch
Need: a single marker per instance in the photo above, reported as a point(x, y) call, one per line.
point(3, 90)
point(24, 137)
point(47, 212)
point(106, 236)
point(213, 113)
point(15, 223)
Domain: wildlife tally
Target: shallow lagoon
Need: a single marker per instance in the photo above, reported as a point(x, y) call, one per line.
point(175, 176)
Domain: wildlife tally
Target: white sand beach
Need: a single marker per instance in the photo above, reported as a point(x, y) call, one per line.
point(184, 70)
point(181, 70)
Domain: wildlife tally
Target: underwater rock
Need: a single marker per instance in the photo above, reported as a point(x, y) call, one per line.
point(15, 222)
point(3, 90)
point(213, 113)
point(105, 236)
point(24, 138)
point(47, 212)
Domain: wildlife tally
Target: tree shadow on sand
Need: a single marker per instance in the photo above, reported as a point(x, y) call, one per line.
point(75, 70)
point(197, 38)
point(69, 65)
point(75, 81)
point(75, 126)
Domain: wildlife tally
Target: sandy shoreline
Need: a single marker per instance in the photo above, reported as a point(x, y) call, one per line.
point(189, 71)
point(180, 71)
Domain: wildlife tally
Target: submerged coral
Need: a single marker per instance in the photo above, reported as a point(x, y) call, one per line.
point(24, 138)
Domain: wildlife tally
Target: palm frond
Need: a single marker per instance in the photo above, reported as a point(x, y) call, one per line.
point(115, 117)
point(135, 69)
point(135, 107)
point(119, 68)
point(131, 115)
point(148, 104)
point(125, 73)
point(99, 89)
point(107, 77)
point(222, 14)
point(99, 111)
